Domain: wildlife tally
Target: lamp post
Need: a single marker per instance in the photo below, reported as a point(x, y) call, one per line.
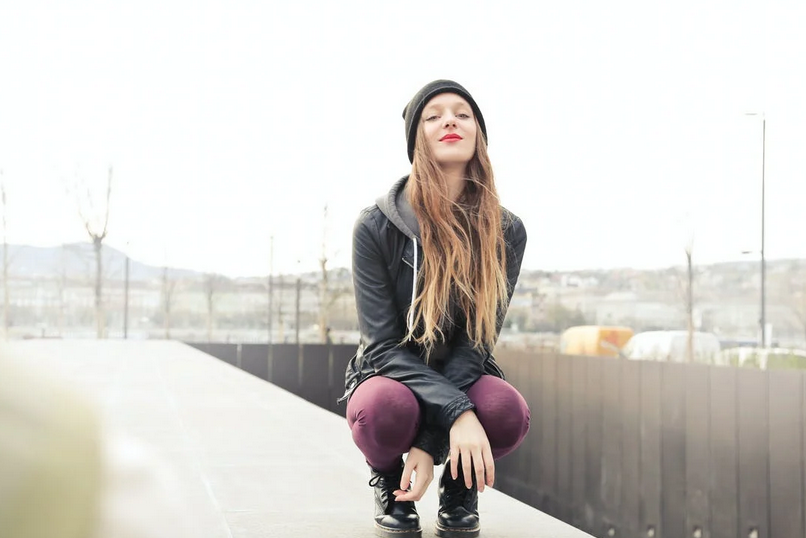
point(271, 289)
point(763, 320)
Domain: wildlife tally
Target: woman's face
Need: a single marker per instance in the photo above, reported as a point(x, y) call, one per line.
point(450, 129)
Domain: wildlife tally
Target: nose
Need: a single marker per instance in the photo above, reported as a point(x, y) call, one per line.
point(450, 121)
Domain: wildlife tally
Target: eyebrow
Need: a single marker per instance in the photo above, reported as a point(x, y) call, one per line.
point(455, 104)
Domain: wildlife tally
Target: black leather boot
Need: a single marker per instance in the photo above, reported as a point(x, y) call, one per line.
point(393, 519)
point(458, 515)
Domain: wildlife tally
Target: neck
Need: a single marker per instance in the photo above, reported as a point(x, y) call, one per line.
point(455, 175)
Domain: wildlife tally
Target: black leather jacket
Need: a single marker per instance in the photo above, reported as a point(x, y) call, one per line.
point(385, 253)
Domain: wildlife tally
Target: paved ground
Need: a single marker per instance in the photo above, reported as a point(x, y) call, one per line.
point(250, 460)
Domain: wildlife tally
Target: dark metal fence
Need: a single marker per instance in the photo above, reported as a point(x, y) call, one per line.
point(312, 371)
point(623, 448)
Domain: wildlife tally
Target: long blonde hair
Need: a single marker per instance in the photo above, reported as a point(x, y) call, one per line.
point(464, 254)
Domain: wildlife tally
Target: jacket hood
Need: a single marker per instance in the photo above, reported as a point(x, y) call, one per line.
point(397, 209)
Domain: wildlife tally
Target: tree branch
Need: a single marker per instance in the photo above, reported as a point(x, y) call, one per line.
point(108, 196)
point(81, 214)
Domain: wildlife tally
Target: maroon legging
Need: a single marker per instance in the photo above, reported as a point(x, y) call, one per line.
point(384, 417)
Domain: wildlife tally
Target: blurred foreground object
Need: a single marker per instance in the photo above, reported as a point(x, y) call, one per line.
point(62, 475)
point(50, 458)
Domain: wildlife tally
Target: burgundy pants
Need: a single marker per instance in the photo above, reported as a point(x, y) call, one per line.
point(384, 416)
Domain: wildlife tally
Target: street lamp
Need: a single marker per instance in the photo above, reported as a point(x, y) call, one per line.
point(763, 320)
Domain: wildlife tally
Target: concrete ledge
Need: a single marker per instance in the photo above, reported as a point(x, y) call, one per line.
point(250, 459)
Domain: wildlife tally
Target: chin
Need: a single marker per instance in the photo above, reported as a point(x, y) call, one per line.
point(453, 160)
point(453, 163)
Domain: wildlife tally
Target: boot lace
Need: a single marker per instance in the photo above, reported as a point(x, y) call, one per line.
point(387, 482)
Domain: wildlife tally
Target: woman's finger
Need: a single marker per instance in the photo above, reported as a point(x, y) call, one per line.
point(416, 493)
point(478, 468)
point(401, 496)
point(405, 478)
point(467, 468)
point(419, 488)
point(489, 466)
point(454, 462)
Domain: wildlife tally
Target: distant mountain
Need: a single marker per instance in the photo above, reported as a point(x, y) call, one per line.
point(77, 261)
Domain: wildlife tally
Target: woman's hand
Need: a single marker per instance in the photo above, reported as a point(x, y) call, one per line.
point(422, 464)
point(469, 440)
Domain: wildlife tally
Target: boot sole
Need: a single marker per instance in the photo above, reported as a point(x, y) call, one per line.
point(445, 532)
point(386, 532)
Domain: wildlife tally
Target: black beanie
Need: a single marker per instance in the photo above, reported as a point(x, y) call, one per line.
point(413, 110)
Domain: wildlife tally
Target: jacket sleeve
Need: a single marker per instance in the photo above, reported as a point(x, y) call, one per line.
point(465, 365)
point(382, 331)
point(434, 440)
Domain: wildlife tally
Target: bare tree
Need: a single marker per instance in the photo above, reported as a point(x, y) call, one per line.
point(537, 309)
point(168, 288)
point(323, 286)
point(690, 304)
point(687, 289)
point(210, 288)
point(7, 259)
point(328, 296)
point(97, 237)
point(685, 294)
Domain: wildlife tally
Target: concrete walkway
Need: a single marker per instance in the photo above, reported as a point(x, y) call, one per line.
point(250, 459)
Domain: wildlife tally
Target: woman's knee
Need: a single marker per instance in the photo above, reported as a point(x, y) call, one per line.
point(502, 411)
point(384, 407)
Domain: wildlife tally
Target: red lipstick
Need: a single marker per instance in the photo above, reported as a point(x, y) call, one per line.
point(450, 136)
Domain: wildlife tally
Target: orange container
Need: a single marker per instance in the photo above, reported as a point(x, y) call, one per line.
point(594, 340)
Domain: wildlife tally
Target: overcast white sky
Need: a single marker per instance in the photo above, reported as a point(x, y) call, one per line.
point(614, 127)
